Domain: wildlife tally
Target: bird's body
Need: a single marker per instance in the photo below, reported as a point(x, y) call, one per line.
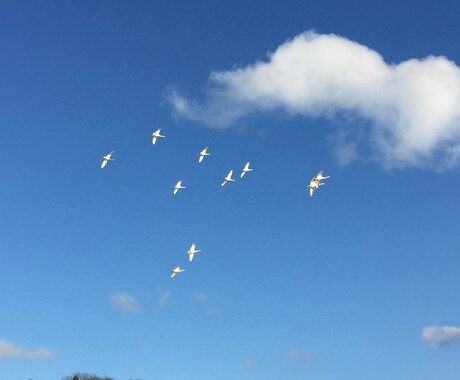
point(177, 187)
point(203, 153)
point(191, 252)
point(176, 270)
point(314, 184)
point(228, 178)
point(106, 159)
point(246, 169)
point(156, 135)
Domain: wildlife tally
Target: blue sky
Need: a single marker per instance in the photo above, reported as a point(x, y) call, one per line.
point(359, 281)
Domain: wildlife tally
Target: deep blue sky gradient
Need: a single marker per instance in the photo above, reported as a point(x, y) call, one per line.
point(352, 274)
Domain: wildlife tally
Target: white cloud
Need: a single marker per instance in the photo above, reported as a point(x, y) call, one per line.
point(440, 336)
point(10, 350)
point(125, 303)
point(408, 113)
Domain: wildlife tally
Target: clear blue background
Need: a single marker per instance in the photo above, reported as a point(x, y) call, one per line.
point(352, 274)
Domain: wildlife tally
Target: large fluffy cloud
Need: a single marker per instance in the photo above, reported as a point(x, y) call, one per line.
point(410, 111)
point(10, 350)
point(440, 336)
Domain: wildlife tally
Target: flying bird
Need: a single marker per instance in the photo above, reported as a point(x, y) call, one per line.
point(156, 135)
point(228, 178)
point(320, 176)
point(246, 169)
point(177, 187)
point(106, 159)
point(203, 153)
point(314, 184)
point(176, 270)
point(192, 251)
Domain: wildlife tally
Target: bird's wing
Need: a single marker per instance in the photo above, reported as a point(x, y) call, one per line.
point(230, 174)
point(175, 190)
point(193, 247)
point(201, 158)
point(104, 162)
point(173, 274)
point(243, 173)
point(246, 166)
point(223, 183)
point(312, 191)
point(154, 140)
point(190, 256)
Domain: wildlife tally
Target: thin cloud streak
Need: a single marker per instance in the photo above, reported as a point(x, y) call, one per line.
point(10, 350)
point(411, 110)
point(125, 303)
point(441, 336)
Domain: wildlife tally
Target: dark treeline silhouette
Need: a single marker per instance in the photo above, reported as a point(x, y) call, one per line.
point(86, 376)
point(89, 376)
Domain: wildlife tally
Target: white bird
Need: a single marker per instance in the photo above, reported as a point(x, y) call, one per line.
point(320, 176)
point(314, 184)
point(246, 169)
point(106, 159)
point(228, 178)
point(203, 153)
point(192, 251)
point(176, 270)
point(156, 135)
point(177, 187)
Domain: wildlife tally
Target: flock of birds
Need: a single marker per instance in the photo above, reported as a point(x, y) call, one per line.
point(315, 183)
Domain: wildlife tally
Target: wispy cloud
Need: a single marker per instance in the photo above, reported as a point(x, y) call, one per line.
point(302, 354)
point(409, 113)
point(125, 302)
point(202, 299)
point(249, 365)
point(162, 297)
point(440, 336)
point(213, 310)
point(10, 350)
